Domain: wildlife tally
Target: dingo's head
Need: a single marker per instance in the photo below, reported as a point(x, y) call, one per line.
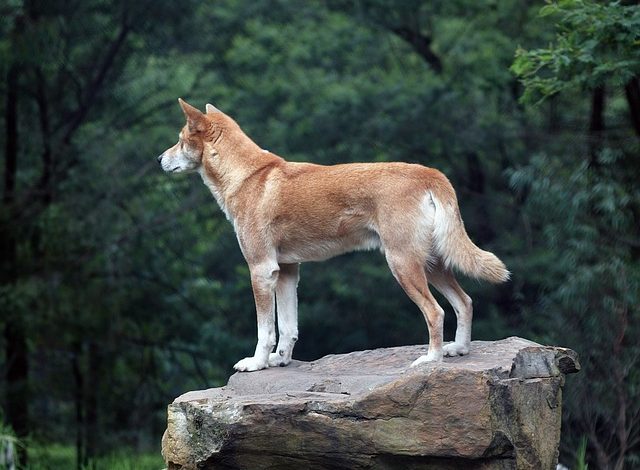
point(186, 155)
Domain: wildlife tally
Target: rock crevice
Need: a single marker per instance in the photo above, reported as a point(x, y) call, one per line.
point(497, 408)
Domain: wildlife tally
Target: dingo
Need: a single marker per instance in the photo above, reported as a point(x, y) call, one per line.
point(285, 213)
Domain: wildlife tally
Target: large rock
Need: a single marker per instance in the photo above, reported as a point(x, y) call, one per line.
point(497, 408)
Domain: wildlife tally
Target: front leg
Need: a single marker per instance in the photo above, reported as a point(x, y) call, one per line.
point(287, 303)
point(264, 277)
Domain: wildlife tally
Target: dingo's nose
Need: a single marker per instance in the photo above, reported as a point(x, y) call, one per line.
point(160, 158)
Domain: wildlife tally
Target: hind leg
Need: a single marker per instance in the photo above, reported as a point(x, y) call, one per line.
point(411, 275)
point(287, 304)
point(444, 280)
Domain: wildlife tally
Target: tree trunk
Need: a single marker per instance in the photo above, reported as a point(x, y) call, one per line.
point(17, 398)
point(91, 430)
point(619, 374)
point(46, 183)
point(596, 124)
point(11, 136)
point(78, 378)
point(17, 375)
point(632, 91)
point(476, 184)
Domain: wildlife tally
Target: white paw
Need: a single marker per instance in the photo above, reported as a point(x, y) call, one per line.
point(249, 364)
point(276, 360)
point(455, 349)
point(430, 357)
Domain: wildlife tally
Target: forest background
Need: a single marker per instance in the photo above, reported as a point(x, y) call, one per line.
point(122, 287)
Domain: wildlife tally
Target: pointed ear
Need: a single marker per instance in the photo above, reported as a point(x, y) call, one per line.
point(195, 118)
point(211, 109)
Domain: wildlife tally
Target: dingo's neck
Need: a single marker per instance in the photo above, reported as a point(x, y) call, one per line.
point(228, 163)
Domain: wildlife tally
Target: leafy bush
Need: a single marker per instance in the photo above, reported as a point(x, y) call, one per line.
point(8, 446)
point(591, 292)
point(595, 43)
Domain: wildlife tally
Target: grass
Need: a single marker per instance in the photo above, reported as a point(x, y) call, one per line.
point(581, 455)
point(57, 456)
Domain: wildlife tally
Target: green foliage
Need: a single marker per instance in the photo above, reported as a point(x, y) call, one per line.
point(54, 457)
point(592, 286)
point(592, 281)
point(130, 282)
point(581, 455)
point(9, 444)
point(595, 43)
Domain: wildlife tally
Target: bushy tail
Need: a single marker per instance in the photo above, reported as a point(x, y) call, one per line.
point(456, 248)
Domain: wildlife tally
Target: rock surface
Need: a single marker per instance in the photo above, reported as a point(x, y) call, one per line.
point(497, 408)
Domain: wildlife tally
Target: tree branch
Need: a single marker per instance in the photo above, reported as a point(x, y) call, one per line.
point(11, 135)
point(96, 84)
point(45, 184)
point(77, 118)
point(421, 44)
